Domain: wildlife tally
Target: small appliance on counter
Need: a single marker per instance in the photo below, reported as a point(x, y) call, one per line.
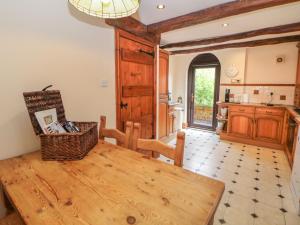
point(227, 95)
point(245, 98)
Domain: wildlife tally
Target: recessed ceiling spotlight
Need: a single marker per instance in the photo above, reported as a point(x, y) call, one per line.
point(225, 25)
point(161, 6)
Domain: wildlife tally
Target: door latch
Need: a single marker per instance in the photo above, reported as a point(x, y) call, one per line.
point(123, 106)
point(148, 53)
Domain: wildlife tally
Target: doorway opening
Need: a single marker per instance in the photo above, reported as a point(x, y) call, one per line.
point(203, 91)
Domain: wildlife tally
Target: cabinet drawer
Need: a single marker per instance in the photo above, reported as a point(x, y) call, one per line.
point(241, 109)
point(270, 111)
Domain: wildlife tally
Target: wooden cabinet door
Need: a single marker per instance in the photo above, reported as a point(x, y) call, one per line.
point(163, 119)
point(163, 74)
point(268, 128)
point(240, 124)
point(163, 93)
point(136, 83)
point(170, 123)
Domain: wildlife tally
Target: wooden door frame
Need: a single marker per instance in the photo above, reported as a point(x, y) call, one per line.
point(191, 90)
point(121, 33)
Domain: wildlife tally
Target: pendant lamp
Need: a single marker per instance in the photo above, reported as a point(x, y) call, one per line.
point(111, 9)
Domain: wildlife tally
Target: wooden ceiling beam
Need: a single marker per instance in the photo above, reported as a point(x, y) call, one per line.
point(208, 41)
point(135, 27)
point(269, 41)
point(213, 13)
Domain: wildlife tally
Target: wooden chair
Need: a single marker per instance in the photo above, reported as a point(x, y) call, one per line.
point(123, 139)
point(12, 219)
point(176, 153)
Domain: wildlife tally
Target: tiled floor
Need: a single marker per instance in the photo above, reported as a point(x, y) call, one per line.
point(256, 179)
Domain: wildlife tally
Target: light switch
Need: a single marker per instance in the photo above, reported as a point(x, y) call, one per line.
point(104, 83)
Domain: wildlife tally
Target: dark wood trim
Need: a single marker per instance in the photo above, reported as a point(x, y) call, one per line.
point(155, 102)
point(270, 85)
point(269, 41)
point(208, 41)
point(213, 13)
point(135, 27)
point(117, 83)
point(164, 51)
point(191, 85)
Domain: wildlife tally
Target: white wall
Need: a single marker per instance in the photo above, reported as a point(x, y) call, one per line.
point(179, 65)
point(262, 66)
point(255, 65)
point(48, 42)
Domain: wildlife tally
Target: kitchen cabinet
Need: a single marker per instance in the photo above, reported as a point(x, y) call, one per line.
point(255, 124)
point(164, 115)
point(163, 119)
point(171, 120)
point(240, 124)
point(291, 138)
point(297, 89)
point(163, 73)
point(268, 128)
point(295, 178)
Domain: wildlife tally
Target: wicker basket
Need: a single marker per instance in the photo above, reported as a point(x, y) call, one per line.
point(68, 146)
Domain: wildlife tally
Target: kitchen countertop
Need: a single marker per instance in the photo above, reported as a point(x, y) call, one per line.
point(255, 104)
point(173, 103)
point(289, 108)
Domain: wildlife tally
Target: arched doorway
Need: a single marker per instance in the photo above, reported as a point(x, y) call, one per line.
point(203, 91)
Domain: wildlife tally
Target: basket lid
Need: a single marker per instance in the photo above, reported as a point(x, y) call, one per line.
point(43, 100)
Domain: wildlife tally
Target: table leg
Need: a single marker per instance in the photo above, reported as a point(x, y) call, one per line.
point(211, 222)
point(2, 203)
point(5, 205)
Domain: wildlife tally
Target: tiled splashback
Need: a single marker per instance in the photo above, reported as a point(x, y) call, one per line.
point(261, 94)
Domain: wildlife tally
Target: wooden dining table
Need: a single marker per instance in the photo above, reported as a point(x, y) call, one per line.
point(110, 186)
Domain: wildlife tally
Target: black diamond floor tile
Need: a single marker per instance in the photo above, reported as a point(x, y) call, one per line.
point(280, 196)
point(227, 204)
point(254, 215)
point(283, 210)
point(222, 221)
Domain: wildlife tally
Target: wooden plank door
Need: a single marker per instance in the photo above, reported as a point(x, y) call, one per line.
point(136, 97)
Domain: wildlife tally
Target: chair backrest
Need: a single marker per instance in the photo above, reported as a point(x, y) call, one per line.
point(176, 153)
point(123, 139)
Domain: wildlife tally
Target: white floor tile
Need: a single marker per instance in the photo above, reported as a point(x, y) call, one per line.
point(256, 179)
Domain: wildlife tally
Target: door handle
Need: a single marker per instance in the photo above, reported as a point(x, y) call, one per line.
point(192, 98)
point(123, 106)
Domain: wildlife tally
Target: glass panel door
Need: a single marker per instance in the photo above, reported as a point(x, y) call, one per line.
point(203, 97)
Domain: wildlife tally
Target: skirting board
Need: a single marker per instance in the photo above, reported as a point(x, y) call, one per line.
point(226, 137)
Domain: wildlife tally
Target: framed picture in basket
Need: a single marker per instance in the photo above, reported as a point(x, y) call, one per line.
point(48, 122)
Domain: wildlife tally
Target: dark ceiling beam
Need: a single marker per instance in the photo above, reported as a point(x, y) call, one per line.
point(135, 27)
point(269, 41)
point(208, 41)
point(213, 13)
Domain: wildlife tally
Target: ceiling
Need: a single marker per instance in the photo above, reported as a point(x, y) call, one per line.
point(269, 17)
point(148, 12)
